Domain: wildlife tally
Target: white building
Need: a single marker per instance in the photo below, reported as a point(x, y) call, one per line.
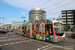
point(14, 25)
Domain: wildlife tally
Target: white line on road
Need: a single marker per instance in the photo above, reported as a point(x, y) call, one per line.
point(6, 44)
point(28, 40)
point(11, 43)
point(2, 37)
point(4, 40)
point(24, 41)
point(39, 49)
point(1, 45)
point(44, 47)
point(9, 39)
point(21, 42)
point(9, 36)
point(16, 42)
point(12, 39)
point(31, 40)
point(19, 38)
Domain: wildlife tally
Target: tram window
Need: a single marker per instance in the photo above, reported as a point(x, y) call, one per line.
point(47, 32)
point(51, 30)
point(25, 28)
point(22, 27)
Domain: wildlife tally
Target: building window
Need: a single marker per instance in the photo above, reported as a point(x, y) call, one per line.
point(69, 14)
point(36, 17)
point(63, 17)
point(44, 14)
point(70, 17)
point(63, 14)
point(69, 11)
point(64, 22)
point(69, 22)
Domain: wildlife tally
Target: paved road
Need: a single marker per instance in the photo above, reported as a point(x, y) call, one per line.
point(13, 41)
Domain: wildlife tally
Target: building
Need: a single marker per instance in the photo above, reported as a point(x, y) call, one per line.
point(68, 19)
point(14, 25)
point(36, 14)
point(6, 26)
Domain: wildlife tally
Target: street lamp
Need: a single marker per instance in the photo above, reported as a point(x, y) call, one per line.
point(24, 19)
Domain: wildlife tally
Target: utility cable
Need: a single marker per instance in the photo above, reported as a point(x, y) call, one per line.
point(44, 3)
point(54, 13)
point(61, 6)
point(54, 4)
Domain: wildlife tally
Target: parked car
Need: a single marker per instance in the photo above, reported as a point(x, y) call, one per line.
point(4, 31)
point(0, 30)
point(11, 30)
point(7, 30)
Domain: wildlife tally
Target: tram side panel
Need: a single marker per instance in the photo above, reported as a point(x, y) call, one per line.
point(39, 32)
point(23, 28)
point(27, 30)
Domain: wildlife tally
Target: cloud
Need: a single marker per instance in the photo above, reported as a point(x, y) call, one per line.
point(29, 4)
point(25, 4)
point(22, 12)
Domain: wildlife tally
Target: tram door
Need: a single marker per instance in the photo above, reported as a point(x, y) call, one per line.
point(48, 30)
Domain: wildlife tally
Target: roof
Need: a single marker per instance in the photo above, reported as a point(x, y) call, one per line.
point(37, 8)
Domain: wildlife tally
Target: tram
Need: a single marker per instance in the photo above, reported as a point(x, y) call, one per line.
point(47, 30)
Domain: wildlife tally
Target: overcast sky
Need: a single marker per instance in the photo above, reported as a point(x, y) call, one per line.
point(19, 8)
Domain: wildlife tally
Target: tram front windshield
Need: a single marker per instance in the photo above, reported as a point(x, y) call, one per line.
point(58, 27)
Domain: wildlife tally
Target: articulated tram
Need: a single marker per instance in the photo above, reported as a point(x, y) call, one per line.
point(47, 30)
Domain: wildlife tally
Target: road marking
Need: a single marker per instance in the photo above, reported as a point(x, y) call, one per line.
point(2, 37)
point(48, 45)
point(9, 36)
point(9, 39)
point(12, 39)
point(16, 42)
point(19, 38)
point(11, 43)
point(28, 40)
point(1, 40)
point(1, 45)
point(24, 41)
point(39, 49)
point(44, 47)
point(4, 40)
point(41, 42)
point(31, 40)
point(16, 39)
point(21, 42)
point(6, 44)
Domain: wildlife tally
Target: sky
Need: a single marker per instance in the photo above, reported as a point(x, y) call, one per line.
point(20, 8)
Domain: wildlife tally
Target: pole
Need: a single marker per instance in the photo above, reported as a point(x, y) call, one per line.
point(0, 24)
point(3, 20)
point(24, 19)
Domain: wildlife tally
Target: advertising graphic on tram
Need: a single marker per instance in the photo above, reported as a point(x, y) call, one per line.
point(47, 30)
